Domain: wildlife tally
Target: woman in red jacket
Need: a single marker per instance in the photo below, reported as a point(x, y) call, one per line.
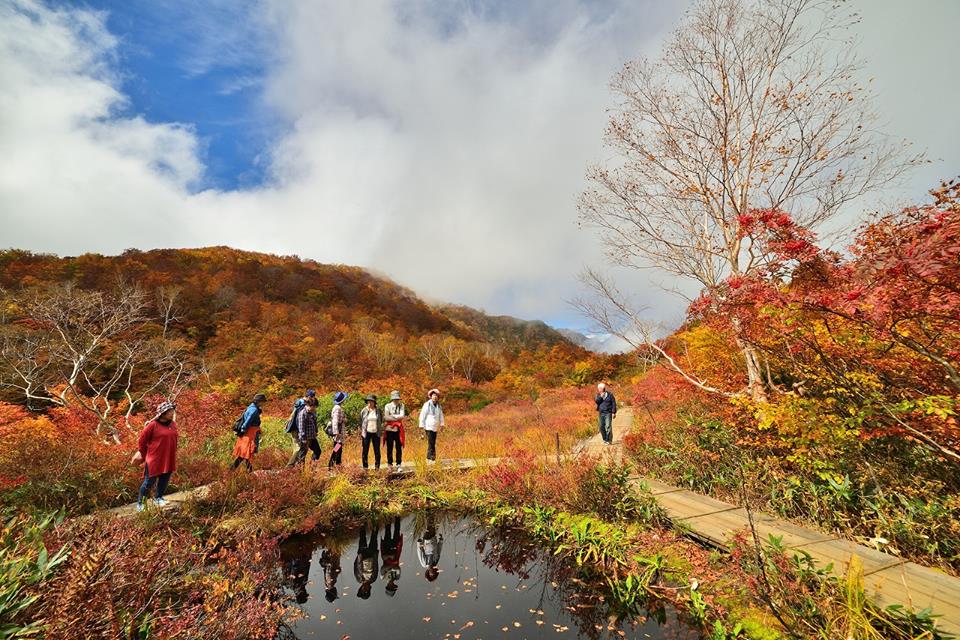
point(158, 449)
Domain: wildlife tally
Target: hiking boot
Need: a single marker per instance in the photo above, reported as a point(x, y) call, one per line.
point(141, 506)
point(161, 502)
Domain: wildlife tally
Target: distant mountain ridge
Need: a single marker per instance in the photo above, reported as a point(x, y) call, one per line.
point(221, 275)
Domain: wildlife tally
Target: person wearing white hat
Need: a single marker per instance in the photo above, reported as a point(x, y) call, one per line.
point(431, 421)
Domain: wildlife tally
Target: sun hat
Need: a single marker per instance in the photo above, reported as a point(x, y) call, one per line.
point(433, 391)
point(339, 397)
point(311, 393)
point(162, 408)
point(394, 395)
point(370, 397)
point(259, 398)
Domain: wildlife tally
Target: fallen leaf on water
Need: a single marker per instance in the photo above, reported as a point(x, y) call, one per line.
point(426, 618)
point(323, 617)
point(467, 625)
point(516, 624)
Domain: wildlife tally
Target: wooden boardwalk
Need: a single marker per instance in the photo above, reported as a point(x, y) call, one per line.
point(887, 579)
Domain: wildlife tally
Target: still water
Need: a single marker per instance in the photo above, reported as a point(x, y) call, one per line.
point(431, 576)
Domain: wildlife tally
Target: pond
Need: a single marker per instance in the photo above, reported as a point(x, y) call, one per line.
point(436, 576)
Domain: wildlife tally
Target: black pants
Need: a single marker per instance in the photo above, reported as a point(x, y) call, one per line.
point(374, 439)
point(431, 445)
point(336, 458)
point(301, 454)
point(393, 438)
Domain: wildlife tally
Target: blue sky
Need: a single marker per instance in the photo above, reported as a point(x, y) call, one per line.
point(169, 77)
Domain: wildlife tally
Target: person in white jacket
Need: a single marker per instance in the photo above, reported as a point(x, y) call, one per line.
point(431, 421)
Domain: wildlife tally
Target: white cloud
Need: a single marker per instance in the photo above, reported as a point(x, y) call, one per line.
point(441, 143)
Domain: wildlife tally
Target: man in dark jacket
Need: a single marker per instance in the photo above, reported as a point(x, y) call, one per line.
point(607, 408)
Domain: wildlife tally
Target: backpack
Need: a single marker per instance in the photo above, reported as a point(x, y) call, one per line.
point(329, 428)
point(238, 426)
point(291, 425)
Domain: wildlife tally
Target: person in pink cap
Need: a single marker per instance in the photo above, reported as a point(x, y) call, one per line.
point(157, 449)
point(431, 421)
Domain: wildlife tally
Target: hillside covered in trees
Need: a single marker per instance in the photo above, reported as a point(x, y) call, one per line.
point(239, 322)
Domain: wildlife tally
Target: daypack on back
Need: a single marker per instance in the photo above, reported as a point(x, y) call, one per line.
point(238, 425)
point(292, 420)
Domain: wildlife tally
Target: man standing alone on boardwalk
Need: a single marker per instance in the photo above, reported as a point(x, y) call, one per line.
point(607, 408)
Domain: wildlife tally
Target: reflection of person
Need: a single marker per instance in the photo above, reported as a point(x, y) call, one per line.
point(428, 550)
point(365, 565)
point(297, 572)
point(330, 561)
point(391, 547)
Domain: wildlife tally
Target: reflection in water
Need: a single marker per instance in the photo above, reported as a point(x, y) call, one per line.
point(391, 548)
point(365, 568)
point(429, 546)
point(330, 561)
point(482, 584)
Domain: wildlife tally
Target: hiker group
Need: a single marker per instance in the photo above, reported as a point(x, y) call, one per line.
point(157, 445)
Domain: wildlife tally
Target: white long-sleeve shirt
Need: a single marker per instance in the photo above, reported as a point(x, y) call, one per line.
point(431, 416)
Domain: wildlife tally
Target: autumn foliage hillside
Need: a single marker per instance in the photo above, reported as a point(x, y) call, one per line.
point(858, 428)
point(258, 322)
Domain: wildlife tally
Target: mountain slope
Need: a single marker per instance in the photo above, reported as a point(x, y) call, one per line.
point(258, 320)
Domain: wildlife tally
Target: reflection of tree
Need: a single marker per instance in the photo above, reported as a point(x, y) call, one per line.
point(575, 590)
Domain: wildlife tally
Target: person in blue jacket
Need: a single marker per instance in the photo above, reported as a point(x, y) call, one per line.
point(248, 440)
point(607, 408)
